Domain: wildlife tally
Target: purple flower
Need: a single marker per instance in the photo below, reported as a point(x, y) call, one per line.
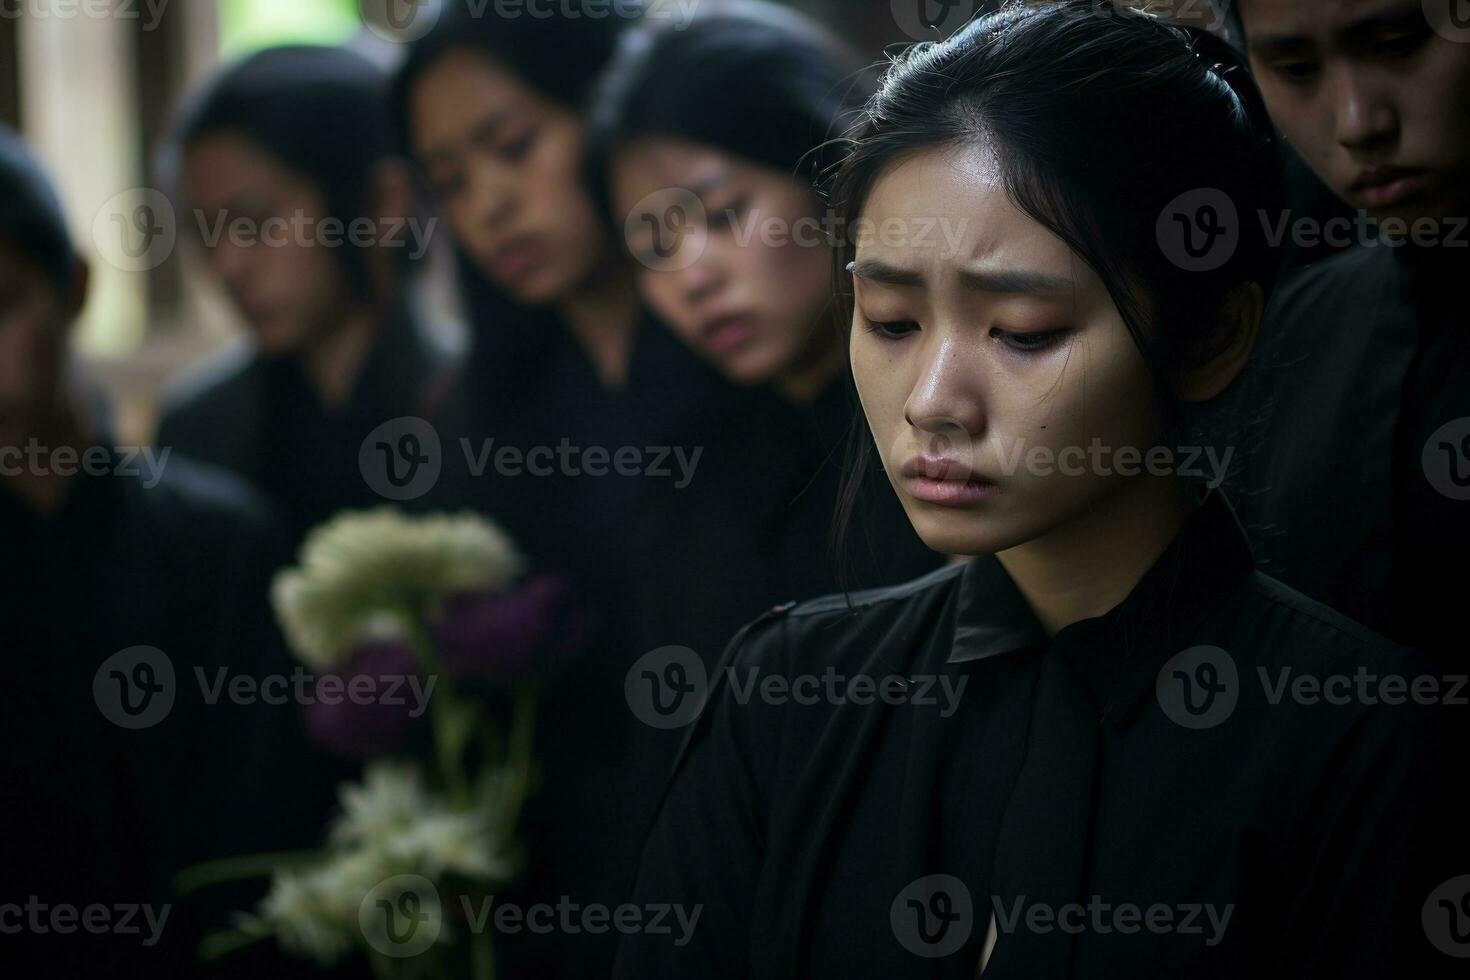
point(347, 723)
point(507, 635)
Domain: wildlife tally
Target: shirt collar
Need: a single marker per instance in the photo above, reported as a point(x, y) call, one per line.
point(1119, 654)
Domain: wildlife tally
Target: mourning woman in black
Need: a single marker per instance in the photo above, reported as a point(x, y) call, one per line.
point(1087, 752)
point(280, 164)
point(715, 130)
point(490, 106)
point(122, 575)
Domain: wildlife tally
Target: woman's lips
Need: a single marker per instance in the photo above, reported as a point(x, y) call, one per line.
point(949, 493)
point(1388, 189)
point(728, 333)
point(515, 261)
point(944, 481)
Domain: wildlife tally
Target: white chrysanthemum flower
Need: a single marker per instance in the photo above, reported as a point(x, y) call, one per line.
point(390, 798)
point(363, 566)
point(314, 913)
point(449, 841)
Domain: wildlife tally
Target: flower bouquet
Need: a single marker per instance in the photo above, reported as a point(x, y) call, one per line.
point(381, 595)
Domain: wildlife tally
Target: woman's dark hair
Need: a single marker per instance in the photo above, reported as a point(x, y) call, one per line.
point(751, 79)
point(320, 111)
point(1105, 123)
point(560, 56)
point(31, 217)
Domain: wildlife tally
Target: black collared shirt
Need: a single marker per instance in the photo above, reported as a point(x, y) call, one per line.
point(968, 767)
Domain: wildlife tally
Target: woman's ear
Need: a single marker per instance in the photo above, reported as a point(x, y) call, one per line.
point(1221, 361)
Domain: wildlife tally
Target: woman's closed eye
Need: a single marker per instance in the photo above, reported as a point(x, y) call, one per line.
point(892, 329)
point(1029, 342)
point(517, 148)
point(728, 216)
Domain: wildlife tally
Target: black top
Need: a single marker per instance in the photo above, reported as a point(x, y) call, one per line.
point(98, 812)
point(529, 386)
point(261, 419)
point(754, 526)
point(1351, 487)
point(967, 766)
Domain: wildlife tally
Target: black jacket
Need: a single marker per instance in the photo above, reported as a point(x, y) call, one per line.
point(1354, 482)
point(1129, 778)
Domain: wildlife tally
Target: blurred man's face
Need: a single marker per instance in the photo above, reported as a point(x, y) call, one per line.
point(260, 227)
point(1373, 96)
point(505, 165)
point(33, 330)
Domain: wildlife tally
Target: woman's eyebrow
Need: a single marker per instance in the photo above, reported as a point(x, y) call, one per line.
point(1015, 281)
point(707, 183)
point(1019, 281)
point(881, 272)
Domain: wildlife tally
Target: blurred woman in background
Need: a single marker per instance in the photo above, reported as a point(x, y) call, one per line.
point(709, 137)
point(287, 178)
point(566, 367)
point(490, 107)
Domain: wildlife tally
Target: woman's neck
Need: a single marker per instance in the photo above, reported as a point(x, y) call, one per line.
point(1087, 567)
point(334, 360)
point(603, 318)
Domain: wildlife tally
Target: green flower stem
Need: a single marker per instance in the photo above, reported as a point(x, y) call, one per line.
point(447, 713)
point(238, 868)
point(518, 757)
point(482, 957)
point(218, 944)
